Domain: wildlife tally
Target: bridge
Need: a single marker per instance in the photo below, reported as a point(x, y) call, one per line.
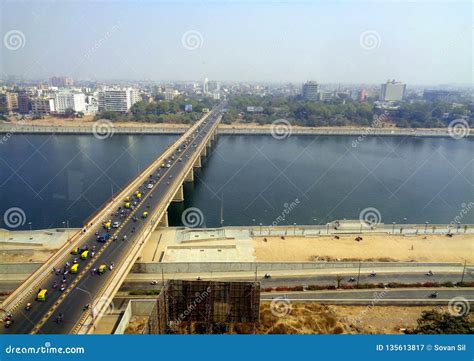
point(86, 295)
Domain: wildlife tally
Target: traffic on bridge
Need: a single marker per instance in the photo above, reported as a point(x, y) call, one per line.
point(67, 294)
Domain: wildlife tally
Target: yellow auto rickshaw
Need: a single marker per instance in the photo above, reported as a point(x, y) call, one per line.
point(102, 269)
point(84, 254)
point(145, 214)
point(127, 199)
point(127, 205)
point(108, 224)
point(42, 295)
point(75, 251)
point(74, 268)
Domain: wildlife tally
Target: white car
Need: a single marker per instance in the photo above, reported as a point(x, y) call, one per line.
point(149, 186)
point(116, 225)
point(168, 165)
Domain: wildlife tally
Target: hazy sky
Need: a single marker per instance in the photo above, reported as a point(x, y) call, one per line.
point(328, 41)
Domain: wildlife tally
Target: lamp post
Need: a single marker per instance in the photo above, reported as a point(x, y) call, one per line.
point(458, 225)
point(29, 223)
point(393, 227)
point(426, 226)
point(294, 229)
point(260, 228)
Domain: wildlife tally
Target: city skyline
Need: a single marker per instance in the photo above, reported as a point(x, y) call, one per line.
point(241, 42)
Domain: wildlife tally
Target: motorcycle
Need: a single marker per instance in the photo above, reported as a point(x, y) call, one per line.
point(28, 306)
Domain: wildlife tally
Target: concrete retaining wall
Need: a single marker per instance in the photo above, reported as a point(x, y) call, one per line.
point(197, 267)
point(134, 308)
point(21, 268)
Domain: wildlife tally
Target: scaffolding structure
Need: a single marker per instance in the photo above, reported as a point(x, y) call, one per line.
point(207, 305)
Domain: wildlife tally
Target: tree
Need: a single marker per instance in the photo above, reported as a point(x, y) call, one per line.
point(434, 322)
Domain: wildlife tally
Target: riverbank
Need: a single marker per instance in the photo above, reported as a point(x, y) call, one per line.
point(89, 126)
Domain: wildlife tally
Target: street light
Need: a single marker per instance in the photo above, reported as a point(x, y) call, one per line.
point(29, 223)
point(393, 227)
point(260, 228)
point(458, 226)
point(294, 229)
point(426, 226)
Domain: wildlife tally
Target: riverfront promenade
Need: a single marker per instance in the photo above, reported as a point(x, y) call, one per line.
point(8, 129)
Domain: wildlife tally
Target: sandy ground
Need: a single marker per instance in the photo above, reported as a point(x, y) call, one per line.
point(313, 318)
point(89, 120)
point(432, 248)
point(307, 318)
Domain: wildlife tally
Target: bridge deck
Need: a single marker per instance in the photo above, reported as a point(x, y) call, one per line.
point(88, 287)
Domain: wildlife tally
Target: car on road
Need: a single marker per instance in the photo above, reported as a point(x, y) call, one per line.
point(116, 224)
point(42, 295)
point(102, 269)
point(149, 186)
point(102, 238)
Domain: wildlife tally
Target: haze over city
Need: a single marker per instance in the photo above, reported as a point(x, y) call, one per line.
point(343, 42)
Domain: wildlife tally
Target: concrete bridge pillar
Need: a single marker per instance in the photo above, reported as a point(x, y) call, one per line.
point(179, 195)
point(164, 220)
point(204, 151)
point(198, 164)
point(190, 176)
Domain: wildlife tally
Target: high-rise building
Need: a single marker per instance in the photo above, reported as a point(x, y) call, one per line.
point(61, 81)
point(24, 103)
point(362, 95)
point(441, 95)
point(42, 105)
point(213, 86)
point(10, 101)
point(70, 100)
point(205, 86)
point(117, 100)
point(310, 91)
point(392, 91)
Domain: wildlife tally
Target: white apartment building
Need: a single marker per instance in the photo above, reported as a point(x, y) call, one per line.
point(117, 99)
point(69, 100)
point(392, 91)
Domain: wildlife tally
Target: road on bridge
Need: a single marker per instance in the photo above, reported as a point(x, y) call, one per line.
point(82, 287)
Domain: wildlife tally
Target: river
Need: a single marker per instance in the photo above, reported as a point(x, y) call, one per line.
point(247, 180)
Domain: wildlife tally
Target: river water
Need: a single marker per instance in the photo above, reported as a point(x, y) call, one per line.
point(247, 180)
